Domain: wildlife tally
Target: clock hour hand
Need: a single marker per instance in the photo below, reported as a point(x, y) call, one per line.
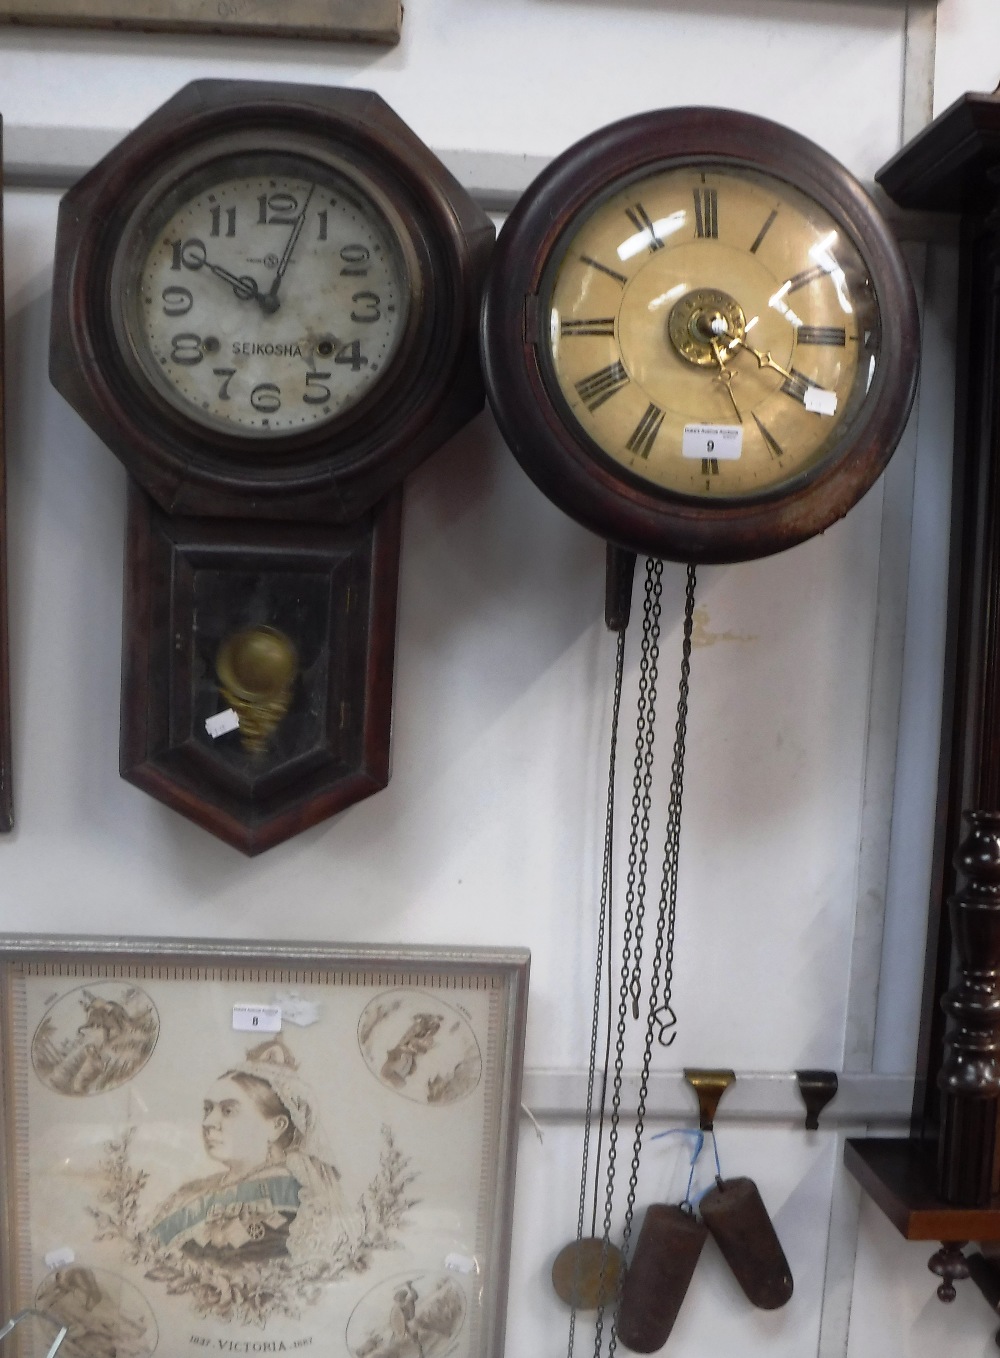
point(269, 300)
point(763, 360)
point(725, 374)
point(244, 287)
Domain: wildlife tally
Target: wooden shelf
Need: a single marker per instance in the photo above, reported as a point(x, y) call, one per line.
point(898, 1174)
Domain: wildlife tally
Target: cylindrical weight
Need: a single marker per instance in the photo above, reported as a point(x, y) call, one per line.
point(735, 1214)
point(658, 1276)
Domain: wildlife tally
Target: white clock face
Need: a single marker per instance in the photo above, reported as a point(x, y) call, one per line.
point(263, 295)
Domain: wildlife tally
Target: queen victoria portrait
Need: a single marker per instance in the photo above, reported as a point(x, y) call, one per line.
point(276, 1194)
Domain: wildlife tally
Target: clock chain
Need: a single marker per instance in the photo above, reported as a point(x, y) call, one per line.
point(661, 1015)
point(605, 933)
point(641, 785)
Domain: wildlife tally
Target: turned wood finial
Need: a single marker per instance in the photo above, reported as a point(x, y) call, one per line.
point(969, 1078)
point(951, 1266)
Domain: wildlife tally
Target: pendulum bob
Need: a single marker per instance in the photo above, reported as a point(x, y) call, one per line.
point(658, 1276)
point(735, 1214)
point(256, 668)
point(586, 1274)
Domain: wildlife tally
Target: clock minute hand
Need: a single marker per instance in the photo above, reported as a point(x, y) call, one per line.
point(269, 301)
point(763, 360)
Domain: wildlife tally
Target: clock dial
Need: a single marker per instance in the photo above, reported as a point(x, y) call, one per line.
point(710, 330)
point(263, 293)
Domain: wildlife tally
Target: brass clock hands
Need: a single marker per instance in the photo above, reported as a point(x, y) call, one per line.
point(725, 374)
point(763, 360)
point(269, 301)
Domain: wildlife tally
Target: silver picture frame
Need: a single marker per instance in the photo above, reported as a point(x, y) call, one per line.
point(247, 1147)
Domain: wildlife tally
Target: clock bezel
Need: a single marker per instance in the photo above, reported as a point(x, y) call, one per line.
point(289, 448)
point(331, 472)
point(561, 458)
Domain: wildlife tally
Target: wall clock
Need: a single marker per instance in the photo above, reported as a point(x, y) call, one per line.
point(265, 302)
point(701, 341)
point(700, 338)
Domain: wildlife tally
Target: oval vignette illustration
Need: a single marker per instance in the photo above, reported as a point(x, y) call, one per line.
point(416, 1315)
point(95, 1038)
point(105, 1316)
point(420, 1047)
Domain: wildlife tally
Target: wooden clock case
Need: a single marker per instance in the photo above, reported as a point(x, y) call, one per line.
point(302, 534)
point(943, 1182)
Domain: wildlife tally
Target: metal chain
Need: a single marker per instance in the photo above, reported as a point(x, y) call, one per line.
point(643, 759)
point(665, 923)
point(663, 1016)
point(644, 775)
point(603, 933)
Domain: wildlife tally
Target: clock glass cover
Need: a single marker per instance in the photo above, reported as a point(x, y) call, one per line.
point(712, 330)
point(263, 293)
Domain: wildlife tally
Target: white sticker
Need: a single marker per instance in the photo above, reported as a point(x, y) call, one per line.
point(222, 723)
point(295, 1009)
point(820, 401)
point(461, 1263)
point(722, 441)
point(256, 1018)
point(61, 1258)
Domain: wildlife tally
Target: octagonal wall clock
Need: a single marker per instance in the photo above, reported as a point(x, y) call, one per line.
point(265, 302)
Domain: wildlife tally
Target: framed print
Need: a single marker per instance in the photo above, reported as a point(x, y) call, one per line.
point(249, 1148)
point(343, 20)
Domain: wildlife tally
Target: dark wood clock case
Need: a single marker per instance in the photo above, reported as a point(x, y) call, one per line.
point(276, 560)
point(943, 1182)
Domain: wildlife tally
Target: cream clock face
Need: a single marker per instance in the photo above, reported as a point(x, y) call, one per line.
point(711, 329)
point(263, 294)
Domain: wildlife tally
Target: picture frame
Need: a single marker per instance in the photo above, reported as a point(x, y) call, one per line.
point(241, 1147)
point(376, 21)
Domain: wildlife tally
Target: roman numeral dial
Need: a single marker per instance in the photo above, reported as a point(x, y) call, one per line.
point(705, 331)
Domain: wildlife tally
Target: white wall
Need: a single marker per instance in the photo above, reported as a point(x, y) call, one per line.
point(490, 830)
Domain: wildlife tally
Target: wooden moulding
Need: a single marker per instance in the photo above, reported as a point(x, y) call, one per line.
point(341, 20)
point(6, 800)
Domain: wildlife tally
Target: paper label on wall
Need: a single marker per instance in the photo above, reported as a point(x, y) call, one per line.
point(256, 1018)
point(722, 441)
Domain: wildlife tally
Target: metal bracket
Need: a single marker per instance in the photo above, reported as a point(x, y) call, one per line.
point(709, 1086)
point(818, 1088)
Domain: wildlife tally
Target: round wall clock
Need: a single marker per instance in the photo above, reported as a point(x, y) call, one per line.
point(266, 301)
point(700, 337)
